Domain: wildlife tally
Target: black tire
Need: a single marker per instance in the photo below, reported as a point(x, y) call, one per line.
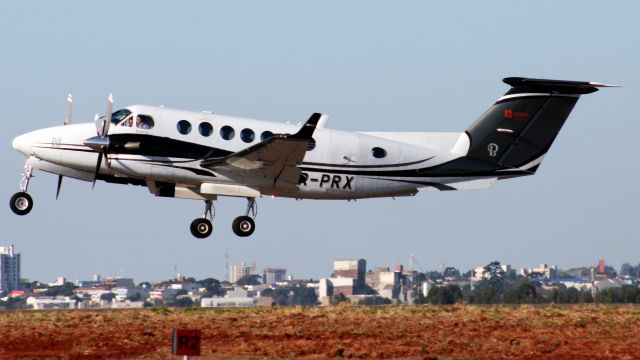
point(243, 226)
point(201, 228)
point(21, 203)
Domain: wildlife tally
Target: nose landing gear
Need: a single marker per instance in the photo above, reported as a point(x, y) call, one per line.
point(21, 202)
point(244, 226)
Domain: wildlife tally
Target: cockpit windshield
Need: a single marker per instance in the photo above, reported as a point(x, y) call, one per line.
point(119, 115)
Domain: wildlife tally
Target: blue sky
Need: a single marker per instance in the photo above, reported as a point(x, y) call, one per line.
point(373, 66)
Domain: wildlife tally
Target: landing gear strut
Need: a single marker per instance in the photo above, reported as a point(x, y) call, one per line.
point(202, 227)
point(244, 226)
point(21, 202)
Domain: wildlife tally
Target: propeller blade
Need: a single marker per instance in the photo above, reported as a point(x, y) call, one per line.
point(59, 185)
point(107, 116)
point(95, 176)
point(67, 119)
point(96, 120)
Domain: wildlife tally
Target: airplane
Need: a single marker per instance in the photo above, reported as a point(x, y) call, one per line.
point(203, 155)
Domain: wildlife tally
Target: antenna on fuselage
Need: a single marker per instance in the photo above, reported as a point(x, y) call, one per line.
point(67, 119)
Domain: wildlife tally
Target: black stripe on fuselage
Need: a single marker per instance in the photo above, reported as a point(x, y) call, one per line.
point(156, 146)
point(460, 167)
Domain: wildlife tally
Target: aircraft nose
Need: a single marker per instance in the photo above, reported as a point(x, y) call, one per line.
point(22, 144)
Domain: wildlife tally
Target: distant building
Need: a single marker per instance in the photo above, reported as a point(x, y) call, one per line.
point(47, 302)
point(385, 282)
point(480, 273)
point(227, 302)
point(274, 275)
point(351, 269)
point(9, 269)
point(544, 270)
point(59, 281)
point(237, 272)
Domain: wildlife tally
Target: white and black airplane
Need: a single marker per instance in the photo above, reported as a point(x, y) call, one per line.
point(202, 155)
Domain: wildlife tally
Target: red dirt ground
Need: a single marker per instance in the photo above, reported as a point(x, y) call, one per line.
point(410, 332)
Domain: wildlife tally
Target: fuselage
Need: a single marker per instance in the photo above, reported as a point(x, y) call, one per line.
point(169, 149)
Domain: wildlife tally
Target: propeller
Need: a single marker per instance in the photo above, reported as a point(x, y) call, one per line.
point(100, 143)
point(67, 121)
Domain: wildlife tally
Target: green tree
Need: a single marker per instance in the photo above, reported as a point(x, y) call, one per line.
point(586, 297)
point(107, 296)
point(340, 298)
point(304, 296)
point(444, 295)
point(564, 295)
point(13, 303)
point(66, 289)
point(252, 279)
point(484, 293)
point(184, 301)
point(213, 286)
point(134, 297)
point(279, 296)
point(374, 300)
point(525, 293)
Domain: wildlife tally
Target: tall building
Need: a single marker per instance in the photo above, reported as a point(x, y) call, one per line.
point(9, 269)
point(237, 272)
point(351, 269)
point(274, 275)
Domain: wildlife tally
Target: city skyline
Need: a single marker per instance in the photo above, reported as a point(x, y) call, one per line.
point(242, 269)
point(372, 66)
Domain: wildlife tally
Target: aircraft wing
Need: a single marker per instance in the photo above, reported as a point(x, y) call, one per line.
point(275, 159)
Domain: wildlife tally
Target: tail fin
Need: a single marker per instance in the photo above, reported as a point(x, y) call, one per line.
point(518, 130)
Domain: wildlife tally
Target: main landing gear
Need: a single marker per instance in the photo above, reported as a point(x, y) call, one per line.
point(202, 227)
point(242, 226)
point(21, 202)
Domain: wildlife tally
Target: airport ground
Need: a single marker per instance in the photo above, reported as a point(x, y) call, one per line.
point(406, 332)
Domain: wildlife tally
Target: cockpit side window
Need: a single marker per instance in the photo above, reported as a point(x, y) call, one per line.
point(119, 115)
point(128, 121)
point(144, 122)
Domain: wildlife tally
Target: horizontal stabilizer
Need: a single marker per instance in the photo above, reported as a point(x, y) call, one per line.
point(521, 84)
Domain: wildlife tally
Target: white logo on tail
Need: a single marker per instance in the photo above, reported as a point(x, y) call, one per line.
point(493, 149)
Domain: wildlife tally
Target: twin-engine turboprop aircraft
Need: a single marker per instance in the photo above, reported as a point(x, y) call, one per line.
point(201, 155)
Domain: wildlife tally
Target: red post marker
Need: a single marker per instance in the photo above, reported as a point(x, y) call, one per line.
point(186, 342)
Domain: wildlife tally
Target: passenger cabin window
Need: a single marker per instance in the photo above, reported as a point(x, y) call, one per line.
point(184, 127)
point(144, 122)
point(265, 135)
point(378, 152)
point(205, 129)
point(247, 135)
point(227, 132)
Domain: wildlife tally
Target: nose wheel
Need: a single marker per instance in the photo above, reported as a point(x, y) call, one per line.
point(21, 202)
